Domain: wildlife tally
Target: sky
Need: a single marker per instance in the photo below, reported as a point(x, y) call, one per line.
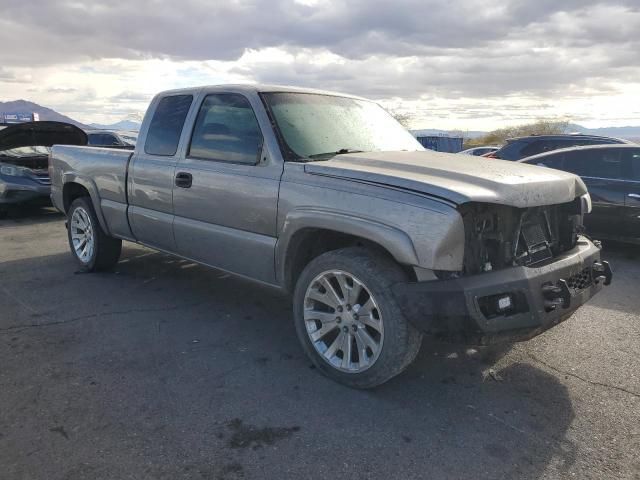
point(465, 64)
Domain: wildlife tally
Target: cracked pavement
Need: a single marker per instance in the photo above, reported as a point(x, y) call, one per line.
point(165, 369)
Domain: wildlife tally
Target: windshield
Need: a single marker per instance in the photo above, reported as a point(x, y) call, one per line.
point(315, 126)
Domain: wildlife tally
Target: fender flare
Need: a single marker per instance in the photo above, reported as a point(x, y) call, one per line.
point(394, 240)
point(90, 186)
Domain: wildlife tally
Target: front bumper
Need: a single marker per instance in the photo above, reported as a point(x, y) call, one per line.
point(16, 190)
point(465, 309)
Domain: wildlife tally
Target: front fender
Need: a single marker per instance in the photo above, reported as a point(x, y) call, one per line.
point(395, 241)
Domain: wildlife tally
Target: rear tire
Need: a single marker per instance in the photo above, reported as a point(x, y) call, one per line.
point(92, 248)
point(354, 333)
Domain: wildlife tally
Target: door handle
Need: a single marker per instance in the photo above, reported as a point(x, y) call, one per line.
point(184, 180)
point(634, 195)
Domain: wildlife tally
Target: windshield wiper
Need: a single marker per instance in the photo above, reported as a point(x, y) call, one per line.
point(328, 155)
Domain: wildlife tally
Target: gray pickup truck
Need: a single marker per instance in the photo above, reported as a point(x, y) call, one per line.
point(327, 197)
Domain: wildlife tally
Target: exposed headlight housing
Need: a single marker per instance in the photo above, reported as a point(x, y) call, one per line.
point(12, 170)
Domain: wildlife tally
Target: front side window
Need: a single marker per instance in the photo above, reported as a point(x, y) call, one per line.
point(576, 162)
point(598, 163)
point(316, 126)
point(632, 156)
point(166, 125)
point(226, 130)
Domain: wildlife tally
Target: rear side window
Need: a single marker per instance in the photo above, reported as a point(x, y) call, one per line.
point(541, 146)
point(599, 163)
point(226, 130)
point(166, 125)
point(512, 150)
point(538, 146)
point(549, 161)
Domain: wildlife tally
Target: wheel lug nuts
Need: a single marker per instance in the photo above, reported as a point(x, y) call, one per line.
point(338, 319)
point(355, 328)
point(345, 329)
point(339, 308)
point(348, 307)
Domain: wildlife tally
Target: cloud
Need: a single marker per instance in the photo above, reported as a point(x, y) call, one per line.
point(60, 90)
point(481, 51)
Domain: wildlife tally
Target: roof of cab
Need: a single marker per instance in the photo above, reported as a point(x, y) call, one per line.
point(256, 88)
point(580, 148)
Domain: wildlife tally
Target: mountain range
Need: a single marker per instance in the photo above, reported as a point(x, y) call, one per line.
point(121, 125)
point(44, 113)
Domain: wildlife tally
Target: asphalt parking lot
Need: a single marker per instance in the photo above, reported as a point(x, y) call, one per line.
point(164, 369)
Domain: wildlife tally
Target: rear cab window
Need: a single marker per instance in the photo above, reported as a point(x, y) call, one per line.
point(166, 125)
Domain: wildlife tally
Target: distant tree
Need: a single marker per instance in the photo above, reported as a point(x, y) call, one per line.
point(403, 118)
point(540, 127)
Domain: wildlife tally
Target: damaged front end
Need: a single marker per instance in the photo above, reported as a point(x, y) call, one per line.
point(524, 271)
point(498, 236)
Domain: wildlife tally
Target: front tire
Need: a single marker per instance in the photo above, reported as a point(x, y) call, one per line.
point(349, 322)
point(92, 248)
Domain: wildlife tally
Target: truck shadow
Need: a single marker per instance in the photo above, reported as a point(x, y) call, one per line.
point(176, 354)
point(30, 215)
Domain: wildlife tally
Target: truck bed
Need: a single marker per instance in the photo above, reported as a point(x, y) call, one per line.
point(102, 171)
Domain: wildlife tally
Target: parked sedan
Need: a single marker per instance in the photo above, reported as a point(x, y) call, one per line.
point(612, 175)
point(523, 147)
point(479, 151)
point(24, 152)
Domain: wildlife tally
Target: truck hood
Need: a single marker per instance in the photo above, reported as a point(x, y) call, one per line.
point(41, 134)
point(456, 178)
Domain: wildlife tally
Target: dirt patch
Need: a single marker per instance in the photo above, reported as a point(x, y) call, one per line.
point(249, 436)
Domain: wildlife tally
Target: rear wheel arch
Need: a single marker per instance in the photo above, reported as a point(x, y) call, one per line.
point(76, 187)
point(71, 191)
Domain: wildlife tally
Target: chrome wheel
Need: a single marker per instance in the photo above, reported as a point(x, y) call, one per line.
point(343, 321)
point(82, 235)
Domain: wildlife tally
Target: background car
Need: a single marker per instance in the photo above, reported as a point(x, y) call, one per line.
point(479, 151)
point(113, 139)
point(522, 147)
point(24, 152)
point(612, 175)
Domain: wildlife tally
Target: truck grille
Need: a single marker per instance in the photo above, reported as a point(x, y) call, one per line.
point(581, 280)
point(498, 236)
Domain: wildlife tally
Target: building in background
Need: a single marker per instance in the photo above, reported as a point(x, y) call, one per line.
point(440, 143)
point(8, 118)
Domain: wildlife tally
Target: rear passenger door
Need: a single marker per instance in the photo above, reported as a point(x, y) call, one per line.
point(226, 190)
point(151, 174)
point(632, 200)
point(603, 171)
